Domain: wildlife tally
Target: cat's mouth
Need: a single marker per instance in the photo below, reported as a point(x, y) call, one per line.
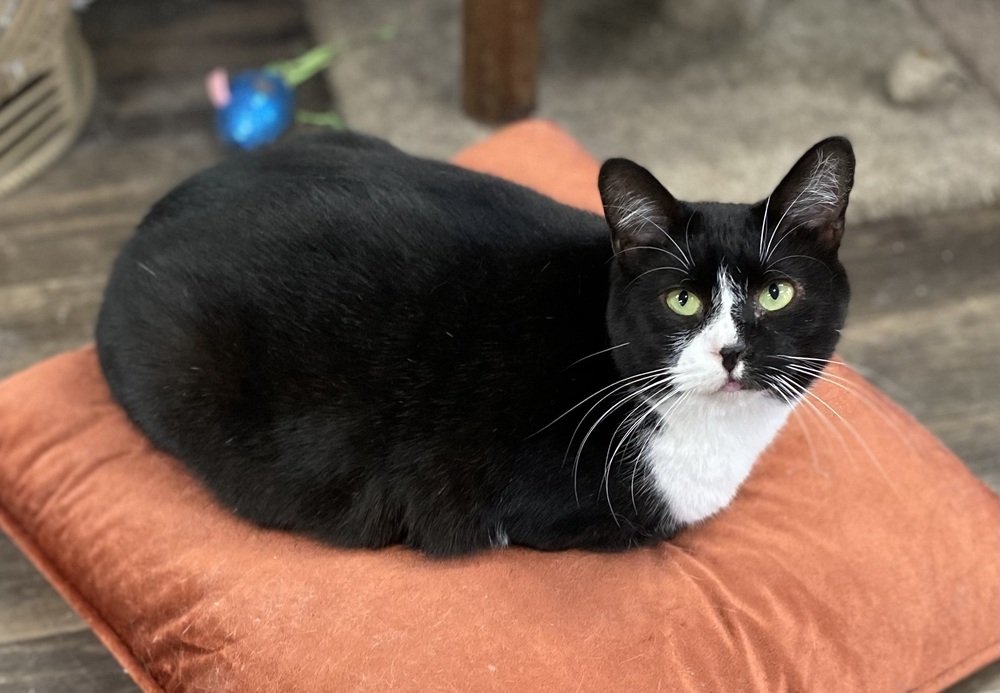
point(731, 385)
point(738, 384)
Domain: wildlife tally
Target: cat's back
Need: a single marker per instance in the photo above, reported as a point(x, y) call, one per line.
point(319, 186)
point(337, 268)
point(344, 219)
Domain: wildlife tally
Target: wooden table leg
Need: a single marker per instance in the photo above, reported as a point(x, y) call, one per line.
point(501, 57)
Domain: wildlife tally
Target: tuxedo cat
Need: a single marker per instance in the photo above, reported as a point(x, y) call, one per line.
point(370, 348)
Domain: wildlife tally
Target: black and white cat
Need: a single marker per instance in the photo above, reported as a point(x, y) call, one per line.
point(343, 340)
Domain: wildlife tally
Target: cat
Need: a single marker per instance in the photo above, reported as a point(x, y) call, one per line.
point(369, 348)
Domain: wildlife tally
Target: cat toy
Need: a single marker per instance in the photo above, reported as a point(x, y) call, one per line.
point(256, 107)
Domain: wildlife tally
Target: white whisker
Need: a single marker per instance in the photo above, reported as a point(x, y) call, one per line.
point(611, 455)
point(849, 387)
point(654, 408)
point(642, 211)
point(767, 250)
point(763, 227)
point(596, 353)
point(790, 386)
point(655, 269)
point(803, 257)
point(787, 395)
point(650, 247)
point(780, 241)
point(621, 384)
point(853, 431)
point(601, 418)
point(687, 227)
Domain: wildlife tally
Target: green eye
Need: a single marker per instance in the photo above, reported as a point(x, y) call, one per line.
point(682, 302)
point(776, 296)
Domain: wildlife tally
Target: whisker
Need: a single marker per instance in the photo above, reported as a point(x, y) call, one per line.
point(685, 259)
point(785, 235)
point(849, 387)
point(621, 384)
point(579, 453)
point(763, 227)
point(602, 417)
point(655, 408)
point(655, 269)
point(771, 270)
point(818, 195)
point(651, 247)
point(861, 441)
point(788, 396)
point(610, 456)
point(638, 211)
point(596, 353)
point(804, 257)
point(778, 225)
point(803, 358)
point(635, 419)
point(828, 425)
point(687, 227)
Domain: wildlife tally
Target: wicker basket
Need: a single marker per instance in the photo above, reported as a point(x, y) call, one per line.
point(46, 86)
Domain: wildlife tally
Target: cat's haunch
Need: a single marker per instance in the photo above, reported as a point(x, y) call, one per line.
point(370, 348)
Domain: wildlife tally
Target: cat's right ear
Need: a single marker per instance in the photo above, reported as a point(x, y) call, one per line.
point(640, 211)
point(812, 197)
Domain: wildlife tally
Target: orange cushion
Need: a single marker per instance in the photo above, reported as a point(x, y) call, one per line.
point(860, 555)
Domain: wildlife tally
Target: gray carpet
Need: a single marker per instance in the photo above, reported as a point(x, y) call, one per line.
point(714, 116)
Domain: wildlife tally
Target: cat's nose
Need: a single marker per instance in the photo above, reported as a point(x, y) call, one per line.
point(731, 355)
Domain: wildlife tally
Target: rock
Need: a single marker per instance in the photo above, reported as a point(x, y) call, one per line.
point(919, 76)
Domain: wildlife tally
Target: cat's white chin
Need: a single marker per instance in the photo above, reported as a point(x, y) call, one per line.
point(706, 447)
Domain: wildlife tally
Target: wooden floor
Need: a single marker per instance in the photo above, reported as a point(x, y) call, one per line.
point(151, 127)
point(925, 322)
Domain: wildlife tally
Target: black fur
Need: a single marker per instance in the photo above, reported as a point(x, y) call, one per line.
point(371, 348)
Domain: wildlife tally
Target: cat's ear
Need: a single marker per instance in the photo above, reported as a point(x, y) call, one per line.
point(640, 211)
point(813, 196)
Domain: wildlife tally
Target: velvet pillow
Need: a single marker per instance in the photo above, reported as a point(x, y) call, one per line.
point(860, 556)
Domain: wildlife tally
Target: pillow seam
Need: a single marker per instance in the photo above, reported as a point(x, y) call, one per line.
point(946, 677)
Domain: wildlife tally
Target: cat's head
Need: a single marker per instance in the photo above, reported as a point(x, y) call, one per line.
point(729, 299)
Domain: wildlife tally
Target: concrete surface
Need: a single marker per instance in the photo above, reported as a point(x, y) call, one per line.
point(972, 29)
point(718, 116)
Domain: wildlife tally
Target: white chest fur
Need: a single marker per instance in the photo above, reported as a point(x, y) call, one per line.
point(706, 446)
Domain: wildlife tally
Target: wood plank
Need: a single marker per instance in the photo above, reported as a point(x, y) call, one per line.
point(926, 260)
point(46, 317)
point(111, 176)
point(912, 356)
point(74, 662)
point(152, 127)
point(31, 609)
point(84, 245)
point(925, 324)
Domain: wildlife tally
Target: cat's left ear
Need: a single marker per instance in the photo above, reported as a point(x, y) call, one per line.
point(639, 210)
point(813, 196)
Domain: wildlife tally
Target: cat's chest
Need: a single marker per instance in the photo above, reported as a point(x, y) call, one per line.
point(705, 448)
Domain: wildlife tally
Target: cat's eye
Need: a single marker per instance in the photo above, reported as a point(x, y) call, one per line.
point(682, 302)
point(776, 295)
